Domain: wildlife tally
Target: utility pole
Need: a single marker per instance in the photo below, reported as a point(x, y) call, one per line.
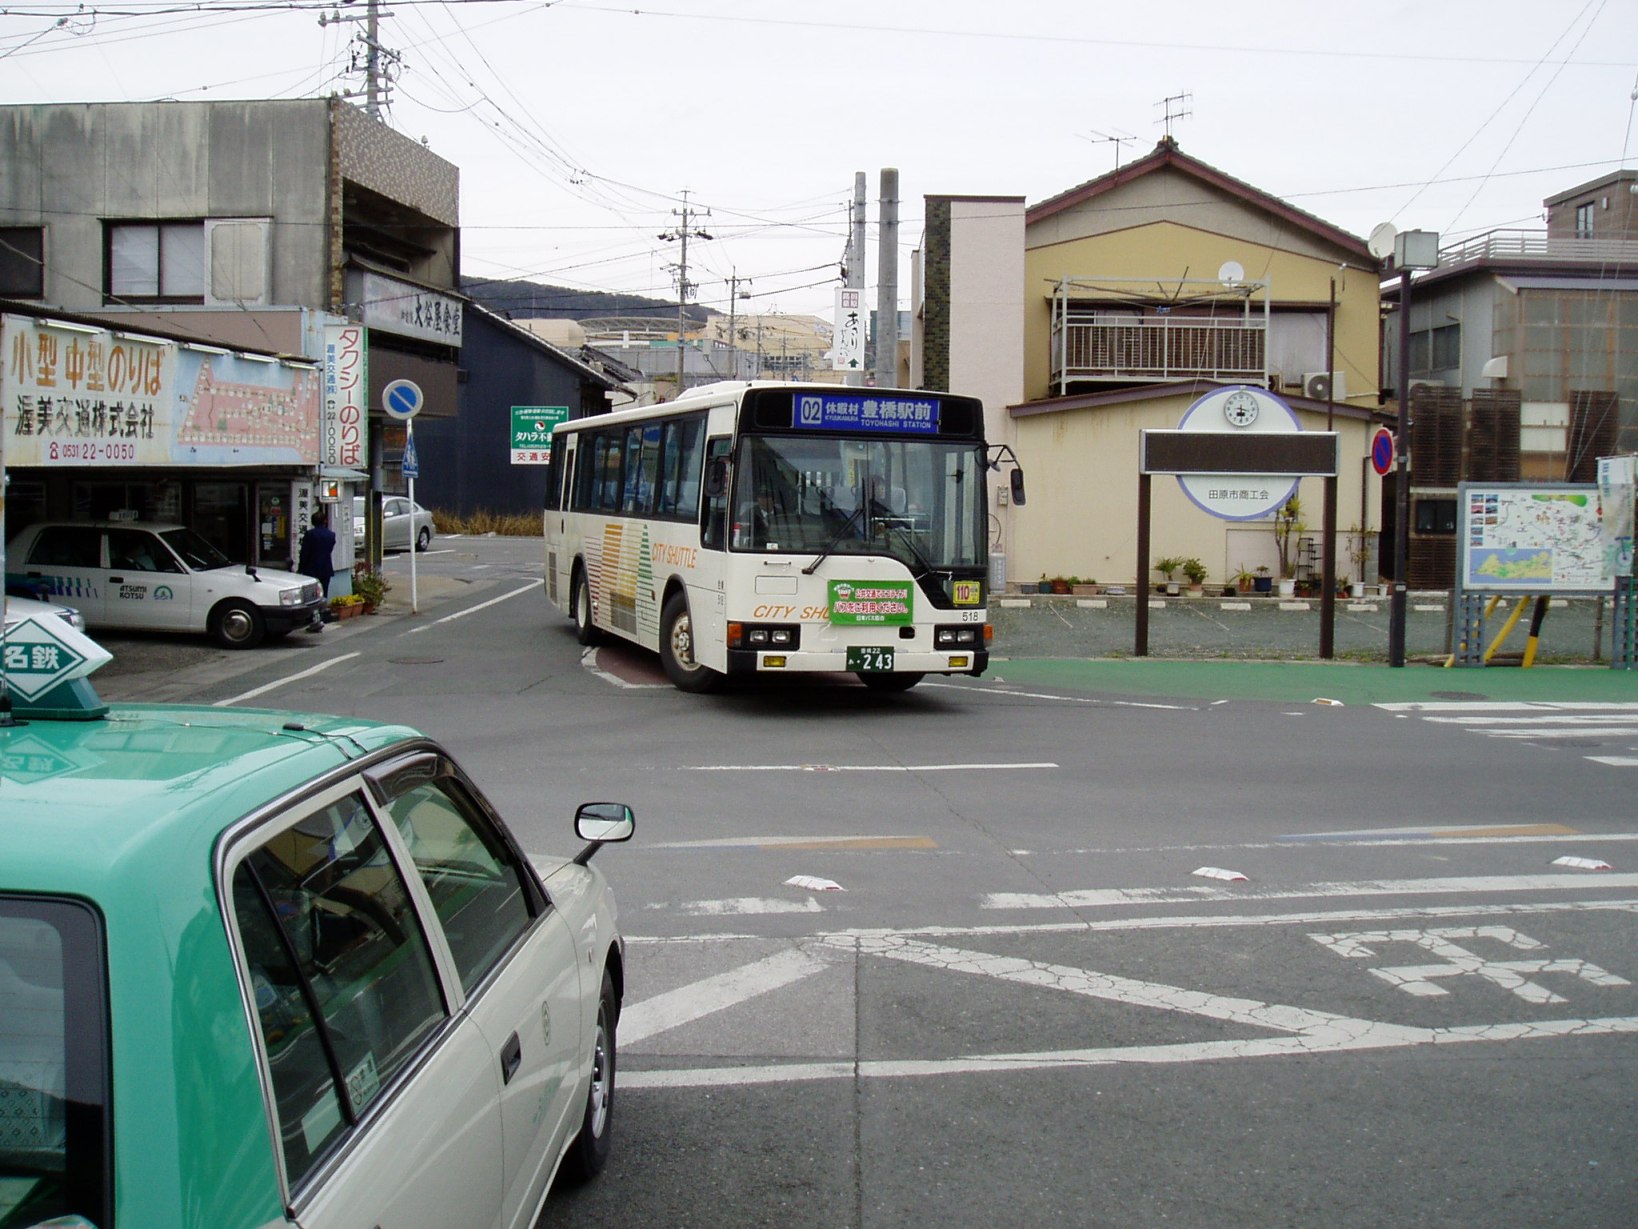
point(855, 272)
point(887, 289)
point(684, 286)
point(379, 62)
point(735, 294)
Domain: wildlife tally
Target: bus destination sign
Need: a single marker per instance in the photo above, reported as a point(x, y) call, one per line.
point(878, 415)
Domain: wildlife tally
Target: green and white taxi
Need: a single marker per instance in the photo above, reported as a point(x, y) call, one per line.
point(148, 576)
point(263, 968)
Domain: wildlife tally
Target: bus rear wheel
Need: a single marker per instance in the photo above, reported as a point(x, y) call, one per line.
point(585, 630)
point(677, 648)
point(893, 681)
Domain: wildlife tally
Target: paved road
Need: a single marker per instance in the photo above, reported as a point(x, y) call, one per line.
point(1023, 1003)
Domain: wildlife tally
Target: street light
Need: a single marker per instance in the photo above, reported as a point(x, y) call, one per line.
point(1412, 250)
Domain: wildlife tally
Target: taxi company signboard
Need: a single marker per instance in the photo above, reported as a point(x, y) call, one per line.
point(532, 432)
point(73, 396)
point(346, 391)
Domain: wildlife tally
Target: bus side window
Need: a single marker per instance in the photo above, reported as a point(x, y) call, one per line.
point(715, 533)
point(554, 475)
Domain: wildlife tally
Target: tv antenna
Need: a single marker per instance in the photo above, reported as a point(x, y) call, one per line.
point(1117, 138)
point(1176, 108)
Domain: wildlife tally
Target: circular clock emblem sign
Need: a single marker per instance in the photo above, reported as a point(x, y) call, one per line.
point(1240, 409)
point(1254, 411)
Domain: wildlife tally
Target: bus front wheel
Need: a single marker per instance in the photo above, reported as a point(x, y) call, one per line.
point(890, 681)
point(677, 648)
point(585, 630)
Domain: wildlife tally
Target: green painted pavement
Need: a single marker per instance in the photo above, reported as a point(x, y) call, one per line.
point(1305, 682)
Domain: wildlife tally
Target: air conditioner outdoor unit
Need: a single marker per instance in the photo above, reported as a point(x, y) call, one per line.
point(1324, 385)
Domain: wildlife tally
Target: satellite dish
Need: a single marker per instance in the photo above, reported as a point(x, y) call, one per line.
point(1381, 240)
point(1231, 274)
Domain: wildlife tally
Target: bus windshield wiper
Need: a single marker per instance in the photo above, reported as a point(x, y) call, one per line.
point(834, 542)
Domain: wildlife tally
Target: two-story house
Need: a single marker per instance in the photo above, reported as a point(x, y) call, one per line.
point(1113, 306)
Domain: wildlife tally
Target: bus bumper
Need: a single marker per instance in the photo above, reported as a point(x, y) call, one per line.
point(752, 661)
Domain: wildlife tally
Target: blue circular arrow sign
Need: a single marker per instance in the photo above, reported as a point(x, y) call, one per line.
point(402, 399)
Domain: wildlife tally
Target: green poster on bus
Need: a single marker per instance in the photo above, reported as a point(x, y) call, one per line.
point(880, 603)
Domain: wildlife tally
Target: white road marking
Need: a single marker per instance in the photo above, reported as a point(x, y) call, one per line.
point(859, 767)
point(712, 994)
point(290, 678)
point(1093, 898)
point(1556, 719)
point(1304, 1031)
point(1614, 761)
point(461, 614)
point(1508, 706)
point(740, 905)
point(588, 662)
point(1371, 1037)
point(1421, 980)
point(1043, 695)
point(770, 842)
point(1585, 731)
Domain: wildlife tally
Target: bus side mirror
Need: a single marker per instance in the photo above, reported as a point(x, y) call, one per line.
point(716, 478)
point(1017, 479)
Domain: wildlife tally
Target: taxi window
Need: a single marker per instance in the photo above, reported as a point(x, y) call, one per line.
point(344, 984)
point(134, 550)
point(68, 546)
point(54, 1149)
point(475, 882)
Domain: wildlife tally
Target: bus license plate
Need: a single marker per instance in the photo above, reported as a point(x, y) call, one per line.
point(870, 660)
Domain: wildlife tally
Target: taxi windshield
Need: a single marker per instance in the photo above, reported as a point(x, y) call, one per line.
point(198, 554)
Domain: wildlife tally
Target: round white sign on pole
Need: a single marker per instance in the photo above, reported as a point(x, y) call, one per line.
point(1243, 408)
point(402, 399)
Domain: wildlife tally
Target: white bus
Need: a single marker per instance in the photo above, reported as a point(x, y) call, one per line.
point(778, 528)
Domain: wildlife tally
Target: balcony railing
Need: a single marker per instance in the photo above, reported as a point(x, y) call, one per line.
point(1534, 245)
point(1096, 349)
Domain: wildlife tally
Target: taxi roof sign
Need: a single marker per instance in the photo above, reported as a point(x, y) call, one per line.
point(46, 664)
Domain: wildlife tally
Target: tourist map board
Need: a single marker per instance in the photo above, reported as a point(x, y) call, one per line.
point(1531, 539)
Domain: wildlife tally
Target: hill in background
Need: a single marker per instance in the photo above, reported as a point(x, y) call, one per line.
point(521, 300)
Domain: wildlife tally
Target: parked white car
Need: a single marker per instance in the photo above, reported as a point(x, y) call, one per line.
point(402, 521)
point(161, 577)
point(20, 608)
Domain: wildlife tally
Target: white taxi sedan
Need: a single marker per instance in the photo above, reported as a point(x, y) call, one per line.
point(160, 577)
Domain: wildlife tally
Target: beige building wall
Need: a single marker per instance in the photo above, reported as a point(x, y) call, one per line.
point(1164, 252)
point(1081, 519)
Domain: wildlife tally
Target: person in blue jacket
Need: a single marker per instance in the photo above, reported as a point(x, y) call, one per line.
point(318, 548)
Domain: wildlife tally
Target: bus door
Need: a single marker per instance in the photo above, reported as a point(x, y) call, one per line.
point(557, 469)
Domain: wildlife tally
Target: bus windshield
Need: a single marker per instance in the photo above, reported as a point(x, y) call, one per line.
point(918, 500)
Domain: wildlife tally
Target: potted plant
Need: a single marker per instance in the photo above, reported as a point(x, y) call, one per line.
point(1195, 571)
point(1262, 582)
point(1289, 528)
point(370, 586)
point(1359, 554)
point(1083, 588)
point(1060, 584)
point(347, 607)
point(1168, 567)
point(1043, 585)
point(1245, 579)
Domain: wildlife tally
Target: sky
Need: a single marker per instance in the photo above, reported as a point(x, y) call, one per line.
point(582, 128)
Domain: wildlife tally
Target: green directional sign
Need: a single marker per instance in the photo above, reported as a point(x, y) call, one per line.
point(532, 432)
point(36, 659)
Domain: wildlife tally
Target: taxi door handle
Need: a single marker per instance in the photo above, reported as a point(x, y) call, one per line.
point(511, 1055)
